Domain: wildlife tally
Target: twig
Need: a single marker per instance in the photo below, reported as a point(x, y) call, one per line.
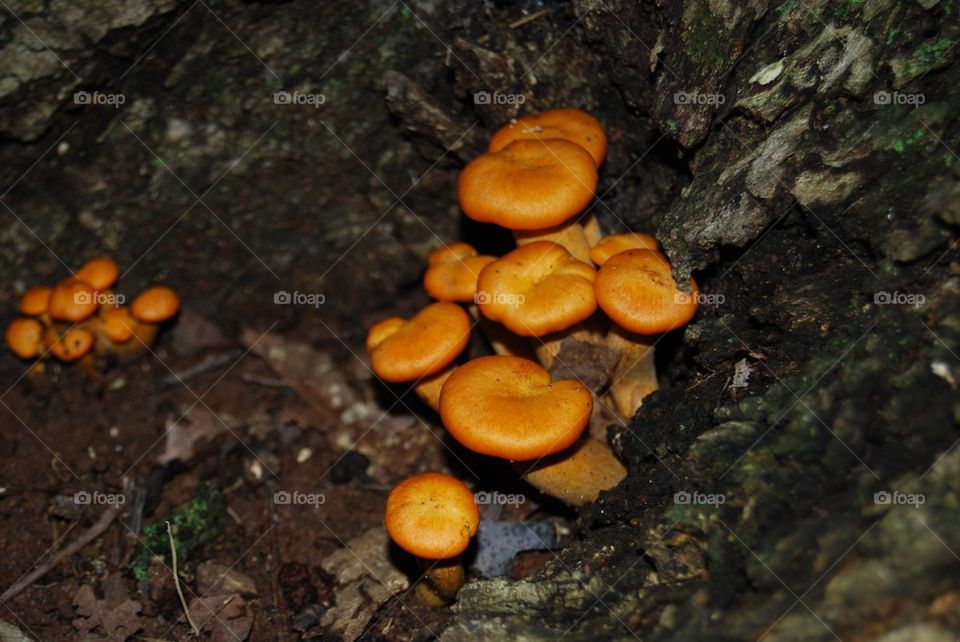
point(176, 581)
point(266, 382)
point(205, 366)
point(85, 538)
point(530, 18)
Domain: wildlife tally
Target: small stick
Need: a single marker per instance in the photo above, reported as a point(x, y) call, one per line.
point(530, 18)
point(205, 366)
point(85, 538)
point(176, 582)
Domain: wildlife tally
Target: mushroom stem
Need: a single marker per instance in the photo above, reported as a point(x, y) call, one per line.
point(548, 347)
point(577, 475)
point(501, 340)
point(428, 388)
point(635, 376)
point(591, 229)
point(441, 581)
point(570, 235)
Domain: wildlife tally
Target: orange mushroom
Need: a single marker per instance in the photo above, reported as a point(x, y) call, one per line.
point(24, 337)
point(615, 243)
point(72, 300)
point(73, 344)
point(539, 290)
point(150, 308)
point(433, 517)
point(100, 273)
point(532, 186)
point(509, 408)
point(637, 290)
point(421, 349)
point(452, 272)
point(451, 275)
point(34, 301)
point(574, 125)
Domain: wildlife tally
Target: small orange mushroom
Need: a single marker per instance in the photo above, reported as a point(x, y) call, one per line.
point(24, 337)
point(451, 275)
point(615, 243)
point(509, 408)
point(70, 346)
point(100, 273)
point(532, 186)
point(72, 300)
point(150, 308)
point(539, 290)
point(433, 517)
point(637, 290)
point(155, 304)
point(34, 301)
point(452, 272)
point(421, 349)
point(574, 125)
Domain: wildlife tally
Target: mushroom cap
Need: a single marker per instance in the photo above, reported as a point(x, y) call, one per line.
point(35, 301)
point(72, 300)
point(24, 337)
point(100, 272)
point(117, 323)
point(637, 290)
point(537, 289)
point(453, 271)
point(529, 184)
point(71, 345)
point(615, 243)
point(155, 304)
point(407, 350)
point(432, 516)
point(574, 125)
point(507, 407)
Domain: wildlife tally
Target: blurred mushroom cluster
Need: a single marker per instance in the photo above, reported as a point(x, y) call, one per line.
point(564, 280)
point(83, 316)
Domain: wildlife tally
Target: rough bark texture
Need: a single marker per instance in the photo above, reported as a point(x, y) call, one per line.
point(776, 149)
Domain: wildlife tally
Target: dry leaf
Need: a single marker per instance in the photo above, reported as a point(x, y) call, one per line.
point(225, 617)
point(119, 619)
point(184, 433)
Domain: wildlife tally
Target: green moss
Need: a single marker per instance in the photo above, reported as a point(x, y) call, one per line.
point(786, 8)
point(707, 41)
point(847, 8)
point(901, 144)
point(194, 524)
point(892, 35)
point(932, 52)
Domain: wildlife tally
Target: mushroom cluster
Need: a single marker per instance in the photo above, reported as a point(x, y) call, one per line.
point(564, 280)
point(82, 316)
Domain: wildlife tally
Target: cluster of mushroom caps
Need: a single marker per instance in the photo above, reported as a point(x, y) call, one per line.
point(539, 174)
point(81, 316)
